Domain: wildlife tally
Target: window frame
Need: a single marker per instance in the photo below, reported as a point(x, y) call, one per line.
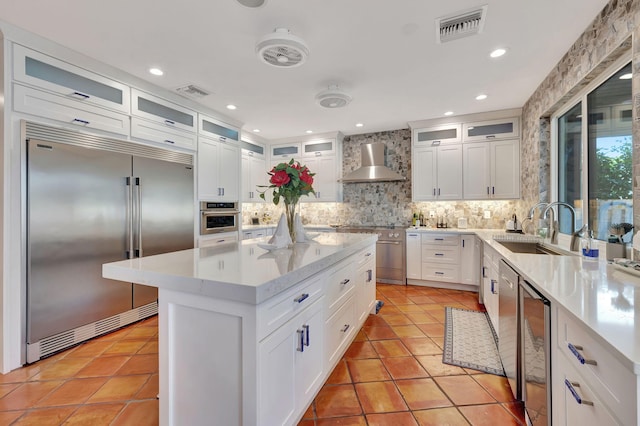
point(581, 96)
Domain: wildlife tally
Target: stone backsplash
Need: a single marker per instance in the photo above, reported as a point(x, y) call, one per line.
point(387, 203)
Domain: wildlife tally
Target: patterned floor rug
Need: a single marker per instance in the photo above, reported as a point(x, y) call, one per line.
point(470, 341)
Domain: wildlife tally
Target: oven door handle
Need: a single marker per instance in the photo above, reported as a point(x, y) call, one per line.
point(395, 243)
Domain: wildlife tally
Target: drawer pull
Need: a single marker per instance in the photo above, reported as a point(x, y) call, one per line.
point(369, 275)
point(493, 287)
point(345, 281)
point(367, 255)
point(574, 350)
point(77, 120)
point(302, 298)
point(439, 273)
point(168, 141)
point(484, 272)
point(81, 95)
point(306, 334)
point(577, 397)
point(301, 340)
point(439, 254)
point(439, 239)
point(169, 122)
point(345, 328)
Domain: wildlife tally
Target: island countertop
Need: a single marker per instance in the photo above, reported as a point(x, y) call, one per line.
point(239, 271)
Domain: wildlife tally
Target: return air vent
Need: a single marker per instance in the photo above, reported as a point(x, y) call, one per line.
point(459, 25)
point(192, 91)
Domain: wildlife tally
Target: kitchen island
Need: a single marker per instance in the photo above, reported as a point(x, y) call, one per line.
point(248, 336)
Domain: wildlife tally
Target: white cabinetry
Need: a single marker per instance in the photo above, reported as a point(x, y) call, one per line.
point(441, 257)
point(443, 134)
point(469, 256)
point(254, 172)
point(218, 170)
point(365, 284)
point(414, 262)
point(281, 153)
point(158, 120)
point(325, 182)
point(492, 170)
point(437, 173)
point(490, 262)
point(215, 239)
point(62, 78)
point(505, 128)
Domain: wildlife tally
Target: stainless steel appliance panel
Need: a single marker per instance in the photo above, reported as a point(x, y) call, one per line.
point(536, 360)
point(390, 261)
point(508, 325)
point(76, 222)
point(163, 196)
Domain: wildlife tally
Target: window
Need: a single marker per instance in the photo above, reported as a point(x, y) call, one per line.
point(594, 156)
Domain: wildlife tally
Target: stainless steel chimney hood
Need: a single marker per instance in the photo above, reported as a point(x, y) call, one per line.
point(372, 168)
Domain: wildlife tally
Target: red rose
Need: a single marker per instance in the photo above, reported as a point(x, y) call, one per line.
point(306, 177)
point(280, 178)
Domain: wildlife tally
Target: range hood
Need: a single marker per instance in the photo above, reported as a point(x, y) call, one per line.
point(373, 168)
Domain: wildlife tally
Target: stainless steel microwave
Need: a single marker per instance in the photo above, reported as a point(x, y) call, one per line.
point(217, 217)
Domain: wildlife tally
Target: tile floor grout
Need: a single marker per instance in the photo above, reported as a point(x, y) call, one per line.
point(385, 375)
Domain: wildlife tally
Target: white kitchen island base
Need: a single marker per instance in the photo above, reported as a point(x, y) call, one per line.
point(256, 353)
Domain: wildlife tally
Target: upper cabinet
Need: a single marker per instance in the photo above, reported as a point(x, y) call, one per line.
point(64, 79)
point(442, 134)
point(319, 148)
point(506, 128)
point(254, 171)
point(216, 129)
point(437, 173)
point(282, 152)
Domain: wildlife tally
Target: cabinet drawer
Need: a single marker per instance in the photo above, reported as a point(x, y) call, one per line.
point(612, 381)
point(282, 308)
point(161, 111)
point(166, 135)
point(440, 254)
point(340, 285)
point(68, 111)
point(441, 272)
point(442, 239)
point(339, 329)
point(569, 410)
point(365, 256)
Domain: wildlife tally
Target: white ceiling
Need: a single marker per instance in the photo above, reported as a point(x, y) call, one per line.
point(381, 52)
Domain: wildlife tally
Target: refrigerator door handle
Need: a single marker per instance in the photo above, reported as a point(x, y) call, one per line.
point(129, 218)
point(138, 218)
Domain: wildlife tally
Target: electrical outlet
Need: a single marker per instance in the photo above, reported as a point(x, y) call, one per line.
point(487, 214)
point(432, 214)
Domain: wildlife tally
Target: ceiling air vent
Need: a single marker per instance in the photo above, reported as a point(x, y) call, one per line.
point(461, 24)
point(192, 91)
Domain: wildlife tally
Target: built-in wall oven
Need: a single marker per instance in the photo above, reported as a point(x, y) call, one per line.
point(216, 217)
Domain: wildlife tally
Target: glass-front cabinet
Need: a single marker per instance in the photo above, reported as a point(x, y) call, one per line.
point(162, 111)
point(285, 151)
point(444, 134)
point(506, 128)
point(318, 148)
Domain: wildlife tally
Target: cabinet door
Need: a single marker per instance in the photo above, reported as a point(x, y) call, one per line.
point(229, 171)
point(447, 133)
point(325, 182)
point(165, 135)
point(316, 148)
point(217, 130)
point(284, 152)
point(366, 289)
point(477, 171)
point(469, 260)
point(162, 111)
point(449, 173)
point(505, 128)
point(505, 169)
point(208, 185)
point(414, 262)
point(309, 367)
point(424, 174)
point(254, 173)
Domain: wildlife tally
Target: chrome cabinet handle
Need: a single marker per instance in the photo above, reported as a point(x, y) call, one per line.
point(487, 190)
point(345, 281)
point(574, 350)
point(345, 328)
point(484, 270)
point(169, 122)
point(490, 136)
point(439, 254)
point(368, 254)
point(77, 120)
point(369, 275)
point(300, 340)
point(223, 139)
point(439, 239)
point(81, 95)
point(302, 298)
point(573, 391)
point(169, 141)
point(493, 287)
point(439, 273)
point(435, 143)
point(306, 332)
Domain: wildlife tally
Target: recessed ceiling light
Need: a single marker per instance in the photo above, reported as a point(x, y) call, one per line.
point(626, 76)
point(256, 130)
point(251, 3)
point(448, 113)
point(497, 53)
point(359, 125)
point(156, 71)
point(309, 131)
point(481, 97)
point(231, 107)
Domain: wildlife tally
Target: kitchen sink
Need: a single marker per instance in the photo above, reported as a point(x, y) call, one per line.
point(531, 247)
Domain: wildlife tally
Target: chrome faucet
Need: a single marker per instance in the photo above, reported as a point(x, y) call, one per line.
point(553, 231)
point(531, 213)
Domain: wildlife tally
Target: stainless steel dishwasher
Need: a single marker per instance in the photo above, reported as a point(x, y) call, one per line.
point(535, 318)
point(508, 325)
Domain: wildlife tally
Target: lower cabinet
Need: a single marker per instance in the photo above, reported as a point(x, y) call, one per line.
point(291, 366)
point(490, 261)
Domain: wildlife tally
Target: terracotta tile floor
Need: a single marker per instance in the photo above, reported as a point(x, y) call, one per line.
point(391, 375)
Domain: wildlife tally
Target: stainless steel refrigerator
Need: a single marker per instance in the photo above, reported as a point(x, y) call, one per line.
point(92, 200)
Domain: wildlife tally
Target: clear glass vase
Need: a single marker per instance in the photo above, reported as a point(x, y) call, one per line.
point(290, 212)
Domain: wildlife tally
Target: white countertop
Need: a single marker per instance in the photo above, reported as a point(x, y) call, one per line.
point(239, 271)
point(594, 292)
point(274, 225)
